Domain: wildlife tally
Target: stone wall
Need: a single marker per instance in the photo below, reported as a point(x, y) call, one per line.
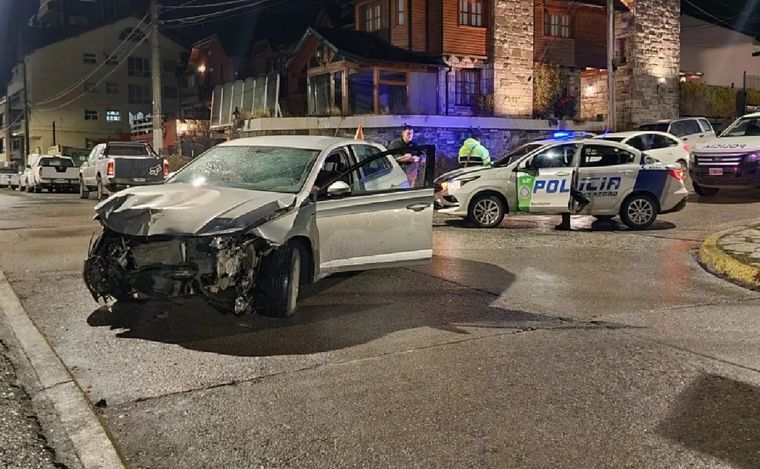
point(653, 62)
point(594, 95)
point(513, 58)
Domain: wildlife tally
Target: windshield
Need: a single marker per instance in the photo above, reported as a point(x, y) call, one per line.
point(611, 139)
point(517, 153)
point(659, 127)
point(744, 127)
point(56, 162)
point(271, 169)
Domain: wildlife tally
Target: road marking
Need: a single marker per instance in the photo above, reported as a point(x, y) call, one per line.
point(85, 430)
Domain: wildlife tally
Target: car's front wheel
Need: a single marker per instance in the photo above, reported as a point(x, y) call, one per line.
point(487, 211)
point(704, 191)
point(638, 211)
point(280, 282)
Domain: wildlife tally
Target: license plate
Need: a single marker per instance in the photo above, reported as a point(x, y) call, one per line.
point(715, 171)
point(60, 181)
point(138, 179)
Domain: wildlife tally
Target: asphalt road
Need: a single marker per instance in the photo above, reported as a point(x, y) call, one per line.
point(516, 347)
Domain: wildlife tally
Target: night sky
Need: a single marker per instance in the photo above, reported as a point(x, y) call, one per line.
point(285, 20)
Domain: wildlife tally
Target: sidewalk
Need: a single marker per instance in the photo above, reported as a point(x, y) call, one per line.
point(734, 255)
point(21, 443)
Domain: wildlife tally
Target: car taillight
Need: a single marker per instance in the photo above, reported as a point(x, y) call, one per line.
point(111, 168)
point(676, 173)
point(166, 168)
point(686, 147)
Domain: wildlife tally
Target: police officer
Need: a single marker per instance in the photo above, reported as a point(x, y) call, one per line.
point(473, 153)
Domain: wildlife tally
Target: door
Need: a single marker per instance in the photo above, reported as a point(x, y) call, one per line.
point(383, 220)
point(605, 175)
point(688, 130)
point(544, 180)
point(707, 129)
point(660, 146)
point(89, 168)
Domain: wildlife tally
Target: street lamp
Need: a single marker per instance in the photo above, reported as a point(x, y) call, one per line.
point(202, 68)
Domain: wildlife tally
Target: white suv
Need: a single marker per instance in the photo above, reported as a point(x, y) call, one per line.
point(692, 130)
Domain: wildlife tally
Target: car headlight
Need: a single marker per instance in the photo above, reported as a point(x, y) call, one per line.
point(752, 158)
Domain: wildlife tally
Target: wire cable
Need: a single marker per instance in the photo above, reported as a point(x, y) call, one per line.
point(212, 5)
point(200, 18)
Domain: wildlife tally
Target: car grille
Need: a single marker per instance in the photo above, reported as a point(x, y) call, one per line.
point(724, 159)
point(138, 168)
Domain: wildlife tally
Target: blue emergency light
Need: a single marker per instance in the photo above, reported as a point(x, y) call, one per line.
point(560, 135)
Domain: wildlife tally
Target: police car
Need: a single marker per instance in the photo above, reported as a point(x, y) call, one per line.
point(616, 178)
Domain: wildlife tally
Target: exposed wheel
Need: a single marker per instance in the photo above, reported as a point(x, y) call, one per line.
point(704, 191)
point(280, 282)
point(100, 190)
point(84, 193)
point(29, 189)
point(639, 211)
point(487, 211)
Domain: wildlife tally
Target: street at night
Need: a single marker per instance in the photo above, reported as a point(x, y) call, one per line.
point(517, 346)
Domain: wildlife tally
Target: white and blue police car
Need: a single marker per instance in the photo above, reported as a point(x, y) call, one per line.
point(616, 179)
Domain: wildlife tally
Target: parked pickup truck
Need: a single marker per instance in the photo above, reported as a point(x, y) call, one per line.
point(117, 165)
point(731, 161)
point(53, 173)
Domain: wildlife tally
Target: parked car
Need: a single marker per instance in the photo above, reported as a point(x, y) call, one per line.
point(6, 174)
point(250, 220)
point(24, 178)
point(661, 145)
point(52, 173)
point(617, 178)
point(525, 148)
point(14, 181)
point(692, 130)
point(731, 161)
point(117, 165)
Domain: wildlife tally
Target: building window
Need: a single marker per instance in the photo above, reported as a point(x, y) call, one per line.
point(127, 33)
point(112, 88)
point(77, 20)
point(90, 115)
point(138, 94)
point(471, 13)
point(138, 67)
point(89, 58)
point(556, 24)
point(620, 53)
point(113, 116)
point(170, 92)
point(401, 12)
point(373, 17)
point(15, 144)
point(112, 60)
point(90, 87)
point(467, 87)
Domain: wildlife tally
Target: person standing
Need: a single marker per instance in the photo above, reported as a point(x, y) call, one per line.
point(406, 154)
point(473, 153)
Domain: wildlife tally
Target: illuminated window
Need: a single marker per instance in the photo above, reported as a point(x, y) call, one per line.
point(467, 87)
point(471, 12)
point(113, 116)
point(556, 24)
point(401, 12)
point(373, 17)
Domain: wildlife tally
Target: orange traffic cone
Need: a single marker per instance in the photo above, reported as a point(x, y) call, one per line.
point(359, 133)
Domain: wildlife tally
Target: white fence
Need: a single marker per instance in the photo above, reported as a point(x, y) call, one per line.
point(252, 97)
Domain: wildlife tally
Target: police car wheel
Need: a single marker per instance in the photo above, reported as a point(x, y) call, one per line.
point(638, 212)
point(487, 211)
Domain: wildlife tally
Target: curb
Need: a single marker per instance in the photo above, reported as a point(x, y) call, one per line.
point(717, 262)
point(84, 429)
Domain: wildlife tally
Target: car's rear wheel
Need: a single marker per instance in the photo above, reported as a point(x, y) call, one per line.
point(84, 193)
point(704, 191)
point(638, 211)
point(487, 211)
point(280, 282)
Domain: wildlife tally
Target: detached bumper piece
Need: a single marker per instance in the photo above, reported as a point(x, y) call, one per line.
point(221, 269)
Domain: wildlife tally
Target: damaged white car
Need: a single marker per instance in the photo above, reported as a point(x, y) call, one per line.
point(249, 221)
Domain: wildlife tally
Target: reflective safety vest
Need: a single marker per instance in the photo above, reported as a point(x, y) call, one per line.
point(473, 153)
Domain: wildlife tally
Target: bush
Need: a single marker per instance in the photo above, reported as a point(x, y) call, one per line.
point(548, 86)
point(699, 99)
point(753, 97)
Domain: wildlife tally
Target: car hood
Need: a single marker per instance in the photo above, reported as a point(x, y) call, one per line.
point(729, 145)
point(186, 210)
point(459, 172)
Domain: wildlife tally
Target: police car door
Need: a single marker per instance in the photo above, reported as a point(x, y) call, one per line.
point(606, 174)
point(544, 180)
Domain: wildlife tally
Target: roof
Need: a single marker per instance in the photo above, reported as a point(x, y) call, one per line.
point(361, 45)
point(633, 133)
point(308, 142)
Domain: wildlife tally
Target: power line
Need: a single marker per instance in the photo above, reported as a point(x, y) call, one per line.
point(110, 72)
point(69, 89)
point(200, 18)
point(720, 20)
point(207, 6)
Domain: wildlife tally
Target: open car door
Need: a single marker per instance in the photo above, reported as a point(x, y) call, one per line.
point(546, 179)
point(375, 212)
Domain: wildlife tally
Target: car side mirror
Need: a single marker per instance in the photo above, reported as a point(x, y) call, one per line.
point(338, 189)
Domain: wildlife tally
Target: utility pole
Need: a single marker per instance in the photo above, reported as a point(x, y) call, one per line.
point(155, 68)
point(611, 65)
point(26, 109)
